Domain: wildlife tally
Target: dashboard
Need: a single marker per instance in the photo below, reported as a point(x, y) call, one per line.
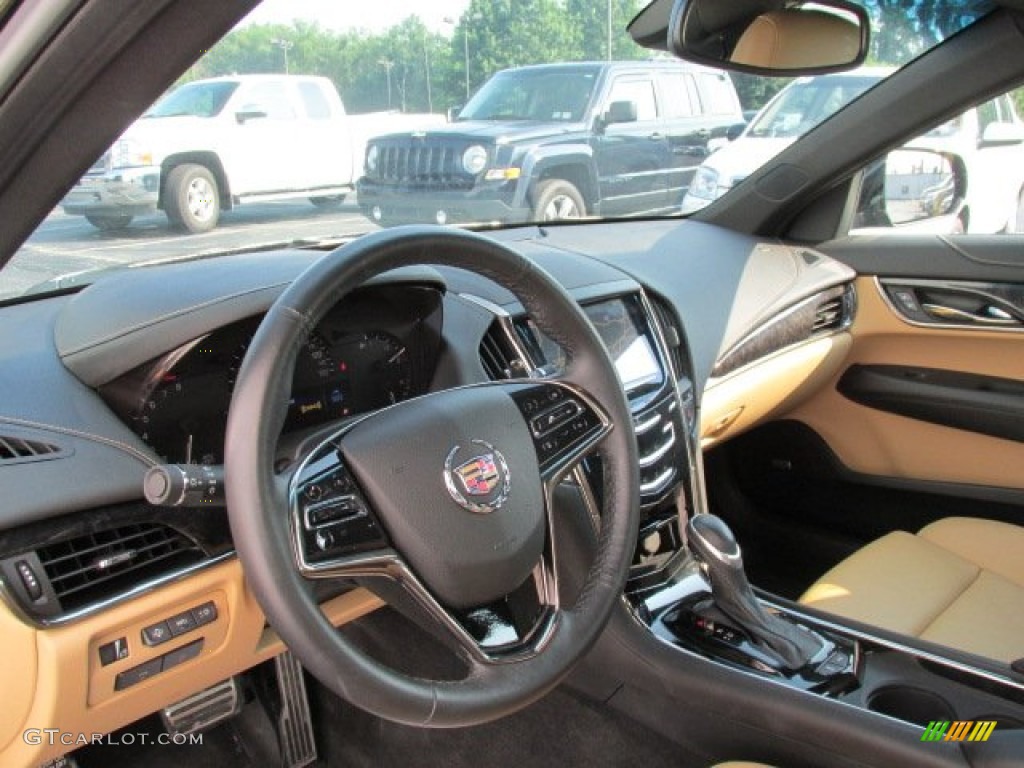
point(137, 370)
point(376, 349)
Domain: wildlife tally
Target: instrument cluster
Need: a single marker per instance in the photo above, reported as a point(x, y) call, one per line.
point(377, 347)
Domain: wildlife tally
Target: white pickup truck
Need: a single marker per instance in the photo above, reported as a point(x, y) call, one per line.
point(204, 148)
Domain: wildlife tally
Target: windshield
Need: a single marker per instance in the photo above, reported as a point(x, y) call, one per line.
point(195, 100)
point(350, 117)
point(807, 102)
point(533, 95)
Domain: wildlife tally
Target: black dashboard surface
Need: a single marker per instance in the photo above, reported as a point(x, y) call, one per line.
point(719, 286)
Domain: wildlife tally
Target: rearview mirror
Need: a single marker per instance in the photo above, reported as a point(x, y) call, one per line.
point(804, 38)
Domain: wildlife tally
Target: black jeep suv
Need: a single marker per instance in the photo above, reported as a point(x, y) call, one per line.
point(555, 141)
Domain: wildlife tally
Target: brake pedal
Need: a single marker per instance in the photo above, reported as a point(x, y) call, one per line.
point(205, 709)
point(294, 723)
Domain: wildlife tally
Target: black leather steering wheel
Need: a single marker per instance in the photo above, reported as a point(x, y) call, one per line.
point(447, 495)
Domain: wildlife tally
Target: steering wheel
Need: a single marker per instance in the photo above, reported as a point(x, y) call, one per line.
point(448, 495)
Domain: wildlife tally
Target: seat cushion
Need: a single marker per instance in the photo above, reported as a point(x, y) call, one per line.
point(958, 582)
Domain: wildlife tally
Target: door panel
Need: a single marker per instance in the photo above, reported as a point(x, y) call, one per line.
point(875, 442)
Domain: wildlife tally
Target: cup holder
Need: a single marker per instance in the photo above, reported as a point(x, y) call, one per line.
point(913, 705)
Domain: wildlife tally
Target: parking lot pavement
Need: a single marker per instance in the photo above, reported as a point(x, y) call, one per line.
point(65, 245)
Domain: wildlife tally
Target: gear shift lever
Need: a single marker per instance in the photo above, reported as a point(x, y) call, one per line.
point(714, 545)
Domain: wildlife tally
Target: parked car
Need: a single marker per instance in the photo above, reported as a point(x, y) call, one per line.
point(988, 138)
point(205, 147)
point(555, 141)
point(332, 496)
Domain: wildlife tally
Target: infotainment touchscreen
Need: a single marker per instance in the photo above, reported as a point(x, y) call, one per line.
point(620, 324)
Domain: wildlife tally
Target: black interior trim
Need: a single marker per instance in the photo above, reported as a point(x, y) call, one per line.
point(984, 404)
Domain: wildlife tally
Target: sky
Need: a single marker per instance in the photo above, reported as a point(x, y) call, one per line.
point(374, 15)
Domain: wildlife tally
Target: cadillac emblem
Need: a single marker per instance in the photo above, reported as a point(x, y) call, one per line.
point(481, 482)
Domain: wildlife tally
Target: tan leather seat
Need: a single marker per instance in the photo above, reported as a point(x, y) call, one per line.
point(958, 582)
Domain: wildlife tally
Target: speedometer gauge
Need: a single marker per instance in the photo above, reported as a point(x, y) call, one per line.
point(379, 368)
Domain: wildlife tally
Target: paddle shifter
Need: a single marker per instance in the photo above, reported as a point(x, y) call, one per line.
point(714, 545)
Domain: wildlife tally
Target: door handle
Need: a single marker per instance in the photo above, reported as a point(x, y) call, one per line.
point(656, 137)
point(989, 315)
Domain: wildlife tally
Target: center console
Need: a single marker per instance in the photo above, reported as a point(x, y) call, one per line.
point(687, 586)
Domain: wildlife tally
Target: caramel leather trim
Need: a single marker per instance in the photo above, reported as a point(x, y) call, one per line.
point(877, 443)
point(62, 685)
point(953, 584)
point(996, 546)
point(742, 400)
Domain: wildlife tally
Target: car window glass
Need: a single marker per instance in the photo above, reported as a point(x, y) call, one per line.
point(676, 95)
point(717, 93)
point(911, 198)
point(271, 98)
point(640, 92)
point(988, 113)
point(313, 100)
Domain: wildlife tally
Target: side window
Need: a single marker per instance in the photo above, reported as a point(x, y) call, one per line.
point(271, 98)
point(949, 181)
point(675, 95)
point(640, 92)
point(717, 94)
point(313, 101)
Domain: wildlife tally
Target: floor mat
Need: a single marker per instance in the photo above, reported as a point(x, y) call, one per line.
point(561, 730)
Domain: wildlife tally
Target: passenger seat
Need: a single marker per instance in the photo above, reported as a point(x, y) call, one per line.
point(958, 582)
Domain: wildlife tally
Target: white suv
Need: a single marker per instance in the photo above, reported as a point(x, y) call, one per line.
point(989, 138)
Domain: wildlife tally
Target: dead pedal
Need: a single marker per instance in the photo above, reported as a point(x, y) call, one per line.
point(294, 723)
point(205, 709)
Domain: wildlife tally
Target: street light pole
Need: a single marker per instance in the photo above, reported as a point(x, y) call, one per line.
point(609, 30)
point(465, 45)
point(285, 46)
point(465, 50)
point(387, 64)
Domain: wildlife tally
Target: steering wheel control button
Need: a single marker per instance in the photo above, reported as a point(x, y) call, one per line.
point(138, 674)
point(477, 477)
point(555, 417)
point(115, 650)
point(333, 511)
point(182, 623)
point(155, 634)
point(562, 423)
point(205, 614)
point(183, 654)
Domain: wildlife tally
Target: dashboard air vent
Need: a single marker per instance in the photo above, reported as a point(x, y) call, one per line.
point(829, 315)
point(19, 449)
point(670, 329)
point(498, 355)
point(96, 566)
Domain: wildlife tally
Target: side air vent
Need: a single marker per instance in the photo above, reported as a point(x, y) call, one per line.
point(14, 449)
point(498, 355)
point(826, 313)
point(96, 566)
point(828, 316)
point(670, 329)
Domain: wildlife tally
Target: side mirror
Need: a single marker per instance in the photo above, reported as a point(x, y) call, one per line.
point(734, 131)
point(1001, 135)
point(912, 190)
point(246, 114)
point(453, 113)
point(803, 38)
point(620, 112)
